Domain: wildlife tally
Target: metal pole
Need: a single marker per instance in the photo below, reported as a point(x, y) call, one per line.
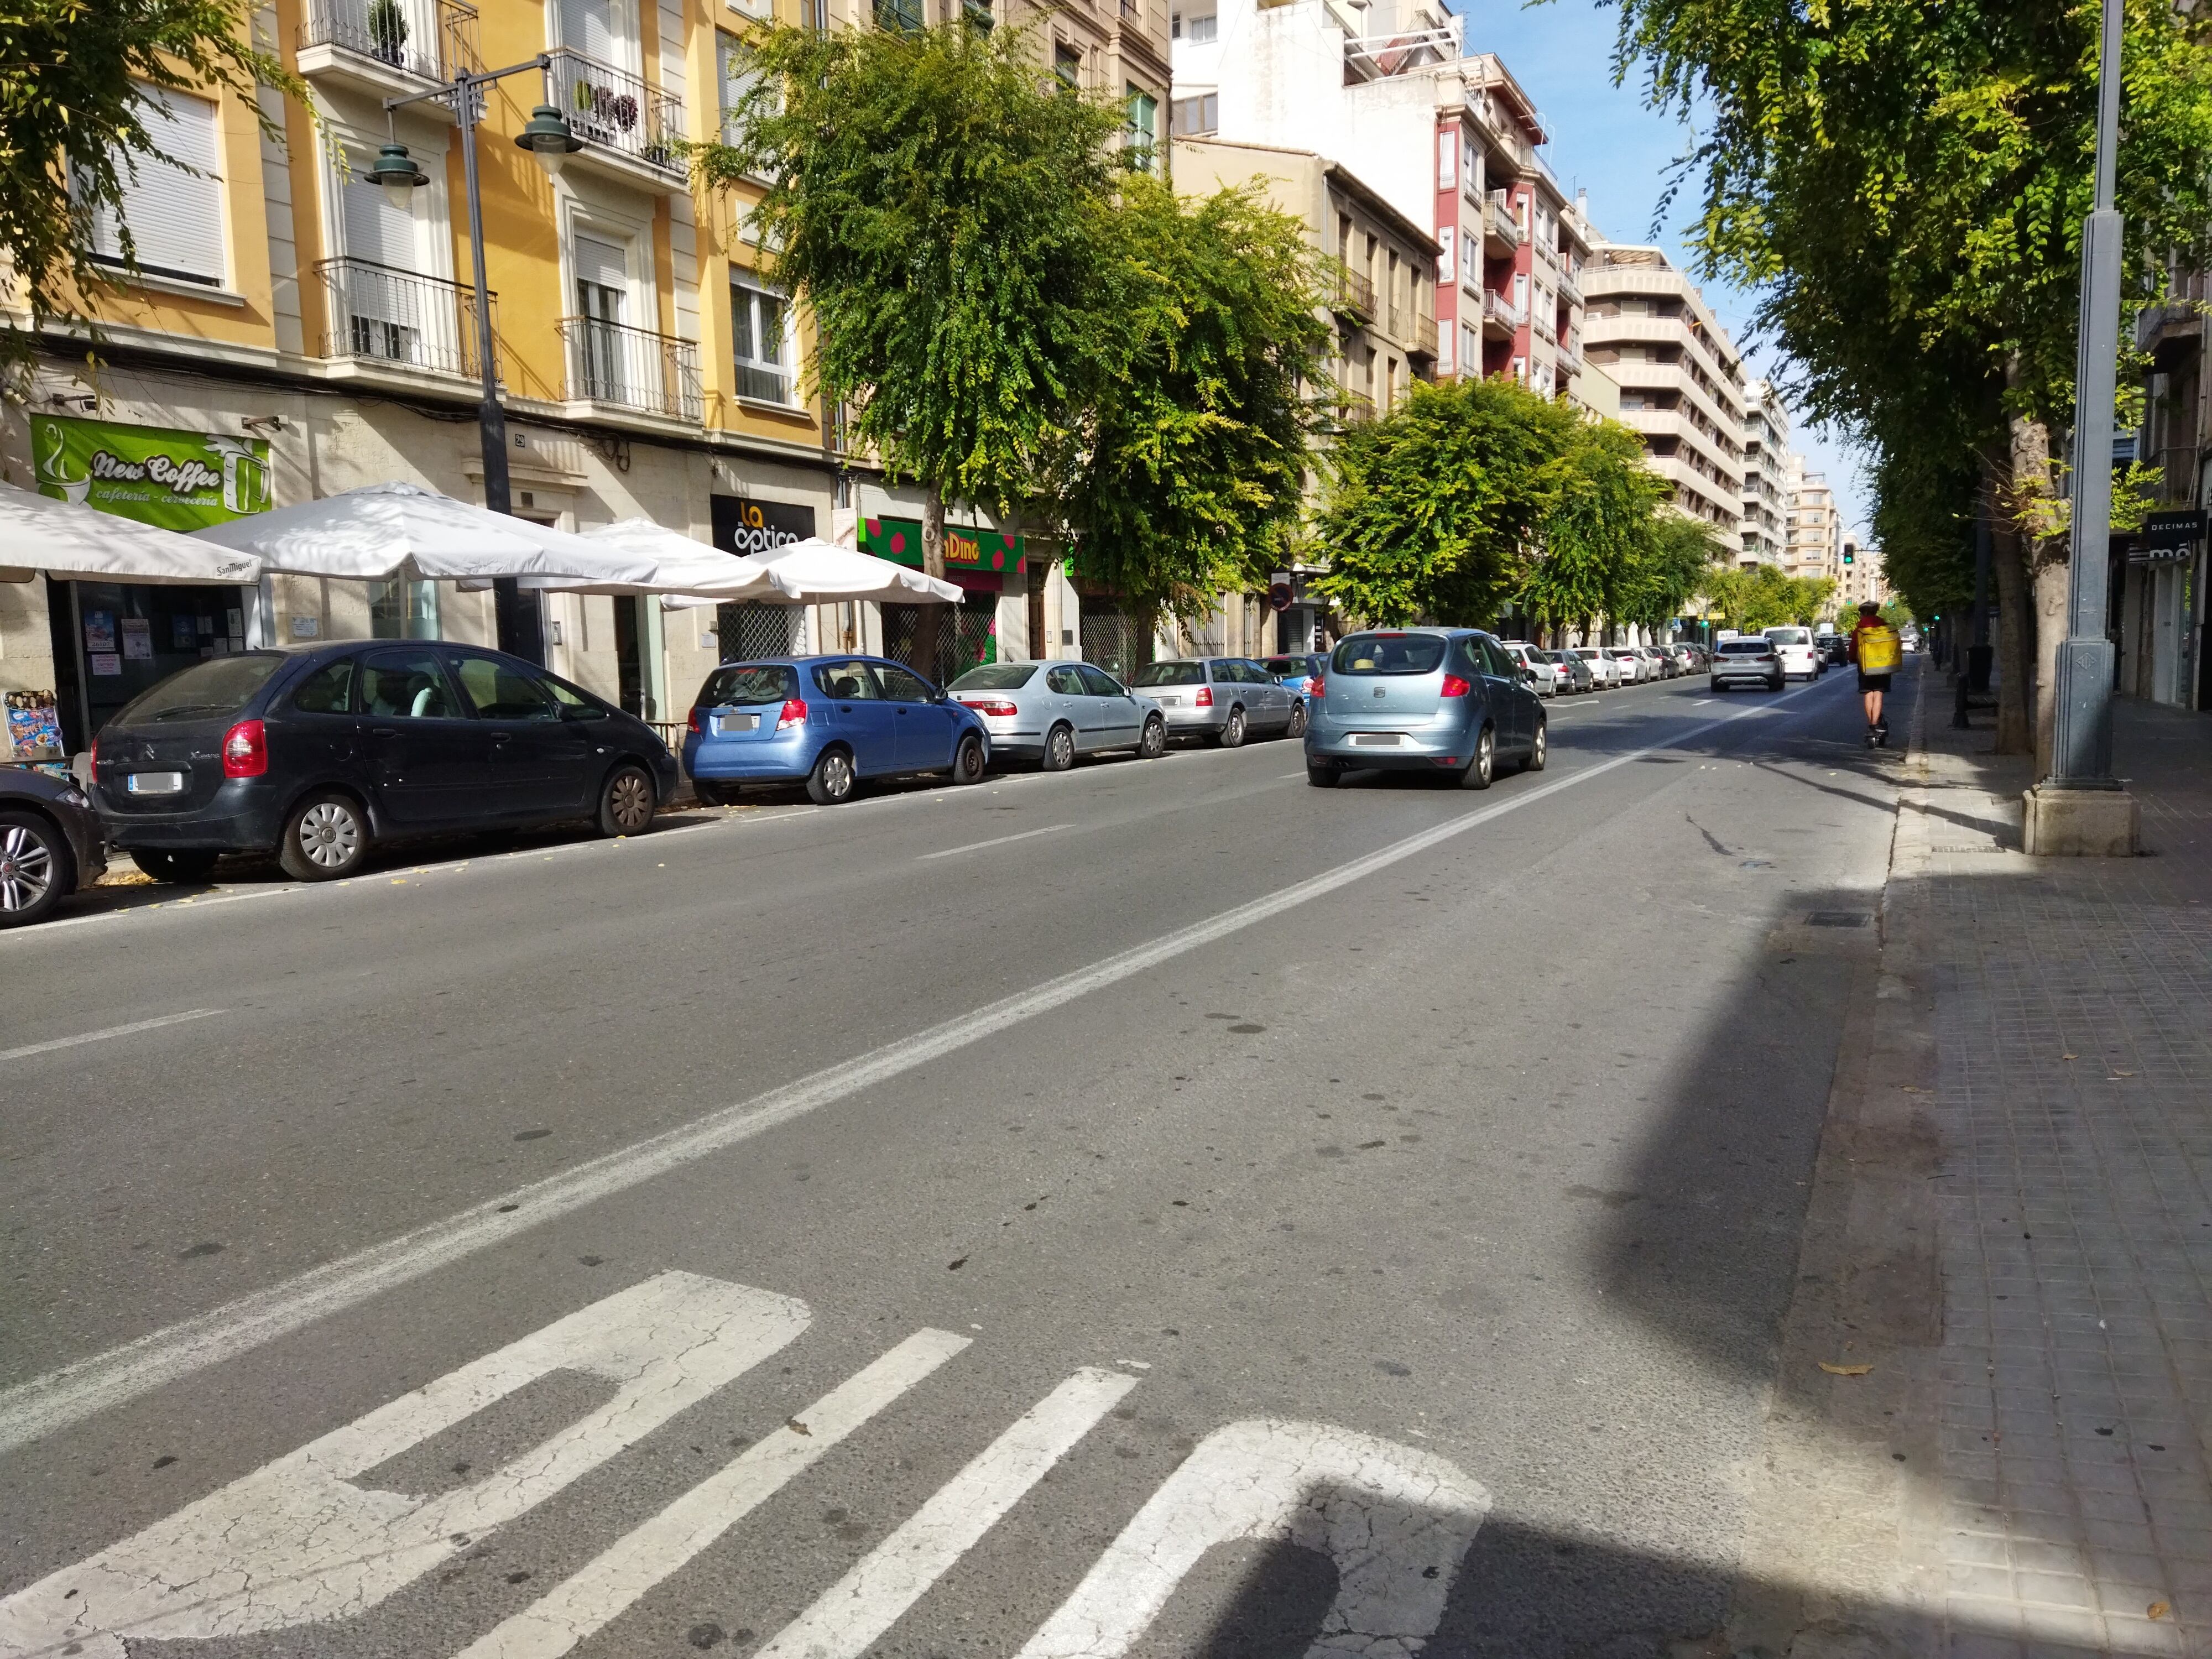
point(2082, 737)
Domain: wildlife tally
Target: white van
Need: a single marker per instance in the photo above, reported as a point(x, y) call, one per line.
point(1800, 659)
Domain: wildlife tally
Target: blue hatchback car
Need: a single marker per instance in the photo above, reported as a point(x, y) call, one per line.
point(829, 721)
point(1437, 700)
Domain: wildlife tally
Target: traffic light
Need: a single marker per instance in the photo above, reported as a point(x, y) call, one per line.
point(1847, 556)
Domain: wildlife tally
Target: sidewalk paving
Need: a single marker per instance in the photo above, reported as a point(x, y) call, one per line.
point(2071, 1006)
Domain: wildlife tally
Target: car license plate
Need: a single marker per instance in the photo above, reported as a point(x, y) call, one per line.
point(1375, 739)
point(1171, 702)
point(725, 724)
point(154, 783)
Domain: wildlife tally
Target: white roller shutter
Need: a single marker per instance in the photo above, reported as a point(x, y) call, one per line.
point(590, 26)
point(603, 265)
point(375, 229)
point(175, 217)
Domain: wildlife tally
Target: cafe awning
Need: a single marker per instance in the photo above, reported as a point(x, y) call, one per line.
point(82, 543)
point(681, 565)
point(816, 572)
point(382, 531)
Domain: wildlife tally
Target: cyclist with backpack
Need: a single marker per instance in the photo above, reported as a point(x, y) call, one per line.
point(1875, 647)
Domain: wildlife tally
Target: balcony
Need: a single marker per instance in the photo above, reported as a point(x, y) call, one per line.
point(386, 323)
point(1544, 327)
point(1355, 296)
point(1501, 236)
point(1501, 318)
point(631, 131)
point(387, 48)
point(1358, 407)
point(2177, 466)
point(1571, 289)
point(1422, 341)
point(619, 367)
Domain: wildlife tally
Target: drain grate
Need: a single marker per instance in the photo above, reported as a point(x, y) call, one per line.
point(1839, 919)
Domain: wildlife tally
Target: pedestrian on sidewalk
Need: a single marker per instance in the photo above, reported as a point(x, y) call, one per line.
point(1875, 665)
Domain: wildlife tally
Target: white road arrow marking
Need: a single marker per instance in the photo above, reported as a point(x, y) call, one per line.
point(590, 1599)
point(1397, 1522)
point(296, 1543)
point(845, 1621)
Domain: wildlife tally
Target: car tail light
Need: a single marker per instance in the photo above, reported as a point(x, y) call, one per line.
point(1315, 686)
point(693, 723)
point(245, 751)
point(1456, 687)
point(989, 706)
point(94, 762)
point(795, 714)
point(1204, 699)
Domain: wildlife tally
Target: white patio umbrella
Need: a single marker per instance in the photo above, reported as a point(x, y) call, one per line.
point(681, 566)
point(82, 543)
point(380, 530)
point(816, 572)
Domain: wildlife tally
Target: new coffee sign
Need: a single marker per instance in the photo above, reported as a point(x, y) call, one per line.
point(156, 475)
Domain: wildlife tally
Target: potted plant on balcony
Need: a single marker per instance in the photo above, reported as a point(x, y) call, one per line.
point(387, 30)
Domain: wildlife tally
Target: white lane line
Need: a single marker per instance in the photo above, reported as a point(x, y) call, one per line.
point(997, 840)
point(845, 1621)
point(40, 1407)
point(589, 1599)
point(29, 1048)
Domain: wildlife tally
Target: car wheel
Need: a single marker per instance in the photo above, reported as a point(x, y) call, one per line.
point(1298, 726)
point(709, 794)
point(326, 837)
point(1058, 750)
point(1323, 777)
point(626, 804)
point(179, 866)
point(968, 762)
point(1154, 743)
point(1774, 684)
point(830, 782)
point(1484, 766)
point(1539, 748)
point(1232, 730)
point(35, 869)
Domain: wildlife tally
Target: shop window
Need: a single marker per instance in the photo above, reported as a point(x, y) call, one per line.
point(402, 609)
point(172, 207)
point(760, 330)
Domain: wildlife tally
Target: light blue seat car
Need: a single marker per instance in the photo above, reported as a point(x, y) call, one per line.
point(1444, 700)
point(829, 721)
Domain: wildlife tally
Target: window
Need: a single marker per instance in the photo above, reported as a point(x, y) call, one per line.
point(849, 681)
point(900, 16)
point(1067, 64)
point(403, 610)
point(977, 14)
point(1171, 673)
point(602, 282)
point(1446, 254)
point(1064, 682)
point(1175, 26)
point(902, 686)
point(738, 76)
point(1145, 127)
point(1201, 30)
point(501, 691)
point(739, 687)
point(405, 685)
point(574, 703)
point(595, 28)
point(1388, 653)
point(1097, 682)
point(760, 332)
point(174, 216)
point(328, 691)
point(1191, 116)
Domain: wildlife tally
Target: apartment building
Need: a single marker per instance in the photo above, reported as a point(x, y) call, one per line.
point(1682, 382)
point(1815, 548)
point(298, 330)
point(1766, 464)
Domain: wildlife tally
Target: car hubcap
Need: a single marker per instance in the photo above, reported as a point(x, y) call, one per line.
point(971, 760)
point(26, 869)
point(328, 836)
point(632, 804)
point(1482, 758)
point(1540, 741)
point(837, 774)
point(1063, 749)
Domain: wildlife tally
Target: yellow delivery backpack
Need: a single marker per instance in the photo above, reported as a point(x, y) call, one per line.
point(1880, 649)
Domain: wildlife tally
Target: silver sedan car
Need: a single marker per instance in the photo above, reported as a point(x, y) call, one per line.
point(1222, 699)
point(1051, 712)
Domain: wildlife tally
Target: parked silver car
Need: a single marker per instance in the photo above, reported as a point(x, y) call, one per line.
point(1436, 700)
point(1574, 673)
point(1748, 659)
point(1051, 712)
point(1544, 676)
point(1222, 699)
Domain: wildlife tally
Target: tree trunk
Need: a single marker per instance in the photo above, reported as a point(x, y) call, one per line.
point(2043, 555)
point(929, 632)
point(2014, 650)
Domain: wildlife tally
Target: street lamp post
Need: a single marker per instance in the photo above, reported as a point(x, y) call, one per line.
point(547, 136)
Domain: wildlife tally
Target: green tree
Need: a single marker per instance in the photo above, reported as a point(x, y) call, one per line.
point(941, 209)
point(74, 130)
point(1904, 184)
point(1671, 561)
point(1184, 474)
point(1434, 509)
point(1598, 520)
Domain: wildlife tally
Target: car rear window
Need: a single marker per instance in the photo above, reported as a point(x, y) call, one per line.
point(1388, 653)
point(206, 691)
point(995, 677)
point(1280, 665)
point(749, 683)
point(1744, 648)
point(1790, 637)
point(1172, 673)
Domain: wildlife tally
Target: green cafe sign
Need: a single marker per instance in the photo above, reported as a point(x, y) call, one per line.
point(178, 480)
point(899, 540)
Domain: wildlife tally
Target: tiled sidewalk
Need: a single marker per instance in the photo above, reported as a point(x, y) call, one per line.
point(2072, 1022)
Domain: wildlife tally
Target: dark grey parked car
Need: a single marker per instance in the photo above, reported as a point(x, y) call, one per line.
point(50, 844)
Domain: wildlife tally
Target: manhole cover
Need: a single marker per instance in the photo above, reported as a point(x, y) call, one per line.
point(1839, 919)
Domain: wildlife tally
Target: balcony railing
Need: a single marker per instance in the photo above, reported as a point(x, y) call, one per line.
point(426, 37)
point(1355, 295)
point(1423, 340)
point(1496, 308)
point(1571, 289)
point(615, 110)
point(2177, 484)
point(1498, 220)
point(627, 367)
point(378, 314)
point(1358, 407)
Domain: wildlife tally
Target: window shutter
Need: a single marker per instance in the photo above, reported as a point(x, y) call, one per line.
point(602, 264)
point(588, 27)
point(375, 229)
point(175, 217)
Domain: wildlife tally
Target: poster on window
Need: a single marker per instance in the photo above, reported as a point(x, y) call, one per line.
point(106, 664)
point(156, 475)
point(100, 631)
point(137, 639)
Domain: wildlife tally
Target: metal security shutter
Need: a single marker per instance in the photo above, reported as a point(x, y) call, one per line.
point(175, 216)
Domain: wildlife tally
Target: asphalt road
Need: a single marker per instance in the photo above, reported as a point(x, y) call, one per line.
point(1159, 1209)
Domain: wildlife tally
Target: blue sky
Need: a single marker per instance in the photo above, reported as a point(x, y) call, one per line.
point(1607, 141)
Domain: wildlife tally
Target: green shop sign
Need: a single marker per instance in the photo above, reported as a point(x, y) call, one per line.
point(899, 540)
point(178, 480)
